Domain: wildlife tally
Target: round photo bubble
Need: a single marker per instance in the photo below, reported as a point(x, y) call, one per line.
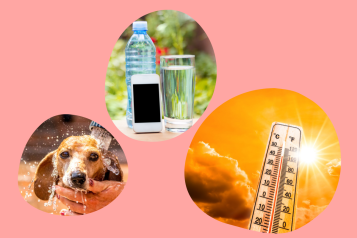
point(71, 166)
point(268, 160)
point(160, 77)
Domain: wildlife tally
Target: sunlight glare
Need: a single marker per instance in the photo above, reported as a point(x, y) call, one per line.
point(308, 155)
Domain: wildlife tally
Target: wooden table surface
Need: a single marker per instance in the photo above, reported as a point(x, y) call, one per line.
point(161, 136)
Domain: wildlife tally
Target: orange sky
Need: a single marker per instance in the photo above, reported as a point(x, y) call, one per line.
point(226, 155)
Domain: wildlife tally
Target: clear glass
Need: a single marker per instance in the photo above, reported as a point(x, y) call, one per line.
point(178, 80)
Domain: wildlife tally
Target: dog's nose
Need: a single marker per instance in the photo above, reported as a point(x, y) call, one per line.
point(78, 178)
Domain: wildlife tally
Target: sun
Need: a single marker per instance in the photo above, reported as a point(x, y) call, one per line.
point(308, 155)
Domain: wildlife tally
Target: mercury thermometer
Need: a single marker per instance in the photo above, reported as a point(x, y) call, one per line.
point(275, 203)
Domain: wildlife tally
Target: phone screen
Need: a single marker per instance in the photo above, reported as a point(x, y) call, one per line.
point(146, 103)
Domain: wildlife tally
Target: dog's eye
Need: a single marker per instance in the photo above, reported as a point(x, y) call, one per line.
point(93, 157)
point(64, 155)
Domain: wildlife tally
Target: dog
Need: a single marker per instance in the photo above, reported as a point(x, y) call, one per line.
point(77, 159)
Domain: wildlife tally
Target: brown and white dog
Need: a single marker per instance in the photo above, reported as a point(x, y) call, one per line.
point(77, 159)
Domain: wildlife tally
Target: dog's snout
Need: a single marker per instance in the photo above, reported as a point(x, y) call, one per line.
point(78, 178)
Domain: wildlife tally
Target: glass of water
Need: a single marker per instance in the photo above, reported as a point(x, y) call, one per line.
point(178, 80)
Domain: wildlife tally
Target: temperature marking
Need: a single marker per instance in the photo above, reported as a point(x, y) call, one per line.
point(275, 202)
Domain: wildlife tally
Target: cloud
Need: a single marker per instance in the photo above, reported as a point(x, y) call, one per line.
point(306, 214)
point(217, 185)
point(334, 167)
point(306, 203)
point(256, 174)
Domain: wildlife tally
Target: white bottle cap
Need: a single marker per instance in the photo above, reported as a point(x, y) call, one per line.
point(140, 26)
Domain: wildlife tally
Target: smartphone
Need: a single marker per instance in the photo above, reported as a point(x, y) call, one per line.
point(146, 103)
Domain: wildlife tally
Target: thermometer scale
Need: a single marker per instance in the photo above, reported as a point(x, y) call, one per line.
point(275, 202)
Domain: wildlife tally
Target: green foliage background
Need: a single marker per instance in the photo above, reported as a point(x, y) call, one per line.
point(173, 33)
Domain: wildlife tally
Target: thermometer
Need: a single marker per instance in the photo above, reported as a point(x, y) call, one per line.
point(275, 203)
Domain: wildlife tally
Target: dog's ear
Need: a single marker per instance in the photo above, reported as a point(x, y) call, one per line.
point(43, 179)
point(115, 173)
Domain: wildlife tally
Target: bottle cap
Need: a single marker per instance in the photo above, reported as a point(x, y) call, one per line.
point(140, 26)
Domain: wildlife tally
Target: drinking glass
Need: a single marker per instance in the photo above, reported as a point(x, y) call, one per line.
point(178, 79)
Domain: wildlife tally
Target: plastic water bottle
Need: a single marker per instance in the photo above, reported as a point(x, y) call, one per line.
point(140, 56)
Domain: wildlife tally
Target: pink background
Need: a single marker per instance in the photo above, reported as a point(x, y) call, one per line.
point(307, 46)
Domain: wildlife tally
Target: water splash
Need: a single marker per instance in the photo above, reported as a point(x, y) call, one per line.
point(55, 205)
point(29, 187)
point(52, 189)
point(27, 195)
point(102, 136)
point(84, 205)
point(107, 163)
